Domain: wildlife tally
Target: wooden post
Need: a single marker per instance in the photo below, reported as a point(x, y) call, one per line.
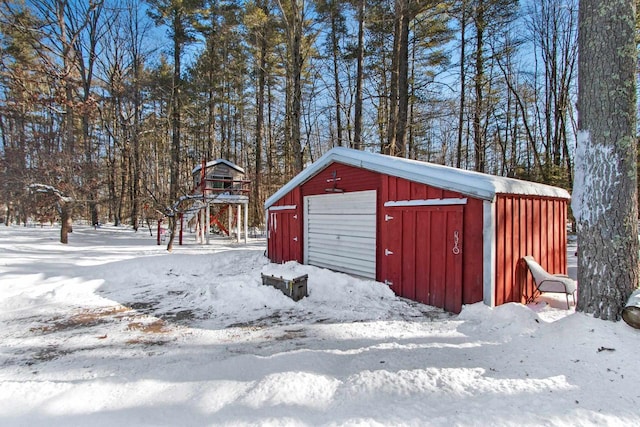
point(159, 228)
point(202, 212)
point(246, 222)
point(181, 225)
point(197, 230)
point(207, 221)
point(238, 222)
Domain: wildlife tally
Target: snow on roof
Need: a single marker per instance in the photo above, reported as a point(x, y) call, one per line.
point(216, 162)
point(474, 184)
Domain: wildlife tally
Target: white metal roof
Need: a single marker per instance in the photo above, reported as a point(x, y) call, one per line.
point(216, 162)
point(475, 184)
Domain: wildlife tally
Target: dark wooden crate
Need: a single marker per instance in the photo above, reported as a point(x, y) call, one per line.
point(296, 289)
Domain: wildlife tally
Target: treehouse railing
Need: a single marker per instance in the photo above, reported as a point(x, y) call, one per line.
point(221, 186)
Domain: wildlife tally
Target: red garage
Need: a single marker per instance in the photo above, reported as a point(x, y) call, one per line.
point(438, 235)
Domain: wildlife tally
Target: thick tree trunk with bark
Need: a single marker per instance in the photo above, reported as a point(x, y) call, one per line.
point(605, 189)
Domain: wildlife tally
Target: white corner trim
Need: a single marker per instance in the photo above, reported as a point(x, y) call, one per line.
point(489, 253)
point(282, 208)
point(427, 202)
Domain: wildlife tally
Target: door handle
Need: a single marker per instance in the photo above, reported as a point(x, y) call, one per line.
point(456, 240)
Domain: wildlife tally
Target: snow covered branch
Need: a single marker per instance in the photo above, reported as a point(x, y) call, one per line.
point(48, 189)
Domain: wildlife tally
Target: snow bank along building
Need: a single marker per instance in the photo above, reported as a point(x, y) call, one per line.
point(435, 234)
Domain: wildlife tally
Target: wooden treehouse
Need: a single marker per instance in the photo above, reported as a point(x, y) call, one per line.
point(219, 195)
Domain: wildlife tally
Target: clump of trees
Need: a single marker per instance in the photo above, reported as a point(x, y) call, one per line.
point(114, 102)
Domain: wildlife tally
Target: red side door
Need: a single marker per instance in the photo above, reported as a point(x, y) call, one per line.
point(422, 254)
point(284, 240)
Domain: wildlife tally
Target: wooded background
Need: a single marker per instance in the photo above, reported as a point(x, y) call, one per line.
point(114, 102)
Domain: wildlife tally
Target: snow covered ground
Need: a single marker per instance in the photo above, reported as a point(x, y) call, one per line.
point(112, 330)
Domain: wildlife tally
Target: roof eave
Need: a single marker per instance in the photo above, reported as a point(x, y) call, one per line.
point(417, 173)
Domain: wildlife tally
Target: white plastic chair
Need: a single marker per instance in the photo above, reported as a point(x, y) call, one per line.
point(547, 282)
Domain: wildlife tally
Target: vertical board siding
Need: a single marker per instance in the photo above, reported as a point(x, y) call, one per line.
point(420, 262)
point(423, 268)
point(472, 255)
point(453, 295)
point(343, 178)
point(284, 241)
point(527, 226)
point(394, 188)
point(437, 253)
point(409, 278)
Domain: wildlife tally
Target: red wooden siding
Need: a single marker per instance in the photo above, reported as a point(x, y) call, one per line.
point(425, 267)
point(469, 289)
point(422, 257)
point(285, 229)
point(527, 226)
point(471, 258)
point(341, 177)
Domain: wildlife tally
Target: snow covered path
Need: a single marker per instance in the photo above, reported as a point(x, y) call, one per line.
point(112, 330)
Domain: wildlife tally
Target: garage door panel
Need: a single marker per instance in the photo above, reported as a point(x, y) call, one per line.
point(357, 271)
point(331, 210)
point(345, 203)
point(361, 222)
point(357, 266)
point(339, 252)
point(340, 232)
point(329, 242)
point(343, 219)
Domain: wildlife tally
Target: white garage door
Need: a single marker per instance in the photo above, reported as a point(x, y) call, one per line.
point(340, 232)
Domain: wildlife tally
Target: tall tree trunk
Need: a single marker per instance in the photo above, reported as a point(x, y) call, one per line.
point(297, 89)
point(605, 190)
point(137, 107)
point(293, 13)
point(357, 119)
point(86, 67)
point(391, 146)
point(65, 222)
point(260, 93)
point(335, 50)
point(478, 134)
point(138, 64)
point(463, 81)
point(175, 121)
point(403, 84)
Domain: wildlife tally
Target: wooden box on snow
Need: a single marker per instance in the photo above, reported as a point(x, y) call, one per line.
point(296, 288)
